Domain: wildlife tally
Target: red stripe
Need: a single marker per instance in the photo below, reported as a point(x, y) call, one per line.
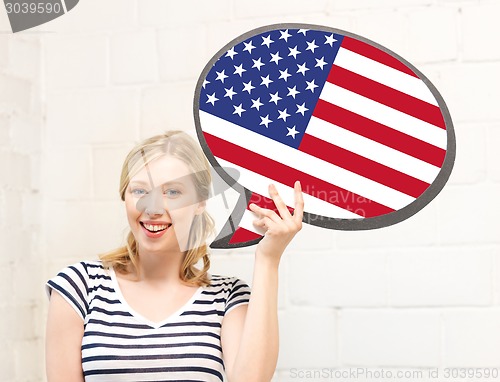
point(379, 133)
point(362, 166)
point(287, 175)
point(375, 54)
point(386, 95)
point(242, 235)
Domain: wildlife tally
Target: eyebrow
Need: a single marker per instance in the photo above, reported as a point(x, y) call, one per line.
point(141, 182)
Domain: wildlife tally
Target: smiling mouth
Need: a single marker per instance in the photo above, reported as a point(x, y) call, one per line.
point(154, 228)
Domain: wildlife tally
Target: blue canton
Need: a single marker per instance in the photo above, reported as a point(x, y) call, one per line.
point(270, 83)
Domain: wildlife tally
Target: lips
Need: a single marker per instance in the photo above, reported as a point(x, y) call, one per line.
point(154, 228)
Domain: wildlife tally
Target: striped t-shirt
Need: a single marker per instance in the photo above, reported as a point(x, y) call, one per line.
point(119, 344)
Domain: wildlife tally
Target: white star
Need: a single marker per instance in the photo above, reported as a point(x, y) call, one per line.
point(248, 47)
point(231, 53)
point(221, 76)
point(292, 132)
point(247, 87)
point(302, 109)
point(284, 74)
point(205, 83)
point(276, 57)
point(293, 52)
point(267, 41)
point(285, 35)
point(283, 115)
point(303, 31)
point(302, 69)
point(293, 92)
point(238, 109)
point(257, 63)
point(266, 81)
point(311, 86)
point(212, 98)
point(311, 45)
point(330, 40)
point(274, 98)
point(265, 121)
point(320, 63)
point(257, 104)
point(239, 70)
point(230, 93)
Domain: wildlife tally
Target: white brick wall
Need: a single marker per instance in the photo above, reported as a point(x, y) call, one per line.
point(169, 106)
point(432, 34)
point(338, 279)
point(479, 37)
point(308, 338)
point(459, 276)
point(81, 61)
point(21, 329)
point(475, 329)
point(78, 92)
point(91, 117)
point(395, 337)
point(133, 57)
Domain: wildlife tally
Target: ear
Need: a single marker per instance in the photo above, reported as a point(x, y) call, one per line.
point(201, 207)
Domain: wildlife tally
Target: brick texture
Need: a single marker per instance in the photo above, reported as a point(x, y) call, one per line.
point(77, 93)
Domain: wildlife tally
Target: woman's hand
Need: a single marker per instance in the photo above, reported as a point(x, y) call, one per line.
point(280, 230)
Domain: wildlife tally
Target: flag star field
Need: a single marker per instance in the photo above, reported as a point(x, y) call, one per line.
point(270, 83)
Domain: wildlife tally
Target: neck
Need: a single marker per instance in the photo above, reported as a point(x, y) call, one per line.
point(160, 267)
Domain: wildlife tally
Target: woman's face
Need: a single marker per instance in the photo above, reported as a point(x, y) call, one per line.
point(161, 205)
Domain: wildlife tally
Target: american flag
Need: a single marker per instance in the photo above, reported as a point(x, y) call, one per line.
point(360, 130)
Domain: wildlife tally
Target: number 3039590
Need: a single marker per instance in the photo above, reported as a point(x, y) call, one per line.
point(34, 7)
point(474, 373)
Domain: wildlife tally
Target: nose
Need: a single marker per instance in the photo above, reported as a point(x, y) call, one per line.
point(152, 203)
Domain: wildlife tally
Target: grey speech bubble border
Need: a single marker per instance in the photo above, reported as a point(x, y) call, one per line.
point(318, 220)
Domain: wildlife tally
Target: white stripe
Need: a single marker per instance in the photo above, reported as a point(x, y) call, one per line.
point(247, 223)
point(304, 162)
point(384, 74)
point(385, 115)
point(375, 151)
point(312, 205)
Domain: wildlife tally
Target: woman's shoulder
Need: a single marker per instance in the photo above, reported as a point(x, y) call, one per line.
point(88, 264)
point(230, 289)
point(76, 282)
point(226, 283)
point(84, 269)
point(217, 279)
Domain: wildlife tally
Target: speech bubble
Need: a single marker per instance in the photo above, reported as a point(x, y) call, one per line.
point(367, 134)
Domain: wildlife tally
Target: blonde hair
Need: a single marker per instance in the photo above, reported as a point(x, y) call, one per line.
point(181, 146)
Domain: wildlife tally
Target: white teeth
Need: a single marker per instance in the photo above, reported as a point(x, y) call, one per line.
point(155, 228)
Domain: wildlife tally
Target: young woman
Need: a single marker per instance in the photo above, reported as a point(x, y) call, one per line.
point(146, 311)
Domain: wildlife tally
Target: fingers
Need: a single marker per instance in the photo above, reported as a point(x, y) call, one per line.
point(264, 222)
point(279, 203)
point(264, 212)
point(284, 212)
point(298, 212)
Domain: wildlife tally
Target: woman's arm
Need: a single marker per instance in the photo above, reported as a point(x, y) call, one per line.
point(249, 335)
point(63, 357)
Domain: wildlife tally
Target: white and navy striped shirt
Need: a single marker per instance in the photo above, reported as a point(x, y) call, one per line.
point(120, 345)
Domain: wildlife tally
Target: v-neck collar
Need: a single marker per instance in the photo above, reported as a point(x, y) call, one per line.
point(139, 316)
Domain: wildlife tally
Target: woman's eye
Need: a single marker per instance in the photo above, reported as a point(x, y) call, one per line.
point(138, 191)
point(172, 192)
